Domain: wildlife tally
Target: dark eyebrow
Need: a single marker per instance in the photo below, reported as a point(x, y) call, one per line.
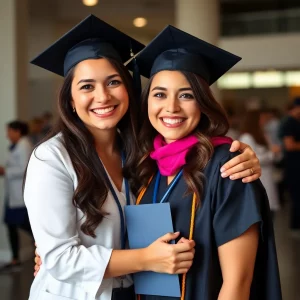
point(164, 89)
point(185, 89)
point(159, 88)
point(93, 80)
point(112, 76)
point(86, 80)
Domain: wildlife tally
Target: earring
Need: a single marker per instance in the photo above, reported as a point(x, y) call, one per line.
point(74, 110)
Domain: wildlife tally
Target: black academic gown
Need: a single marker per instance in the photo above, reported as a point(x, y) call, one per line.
point(228, 209)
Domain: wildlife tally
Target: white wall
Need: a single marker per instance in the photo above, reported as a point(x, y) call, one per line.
point(13, 91)
point(278, 51)
point(7, 95)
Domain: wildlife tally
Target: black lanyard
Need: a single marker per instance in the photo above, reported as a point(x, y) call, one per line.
point(122, 219)
point(171, 186)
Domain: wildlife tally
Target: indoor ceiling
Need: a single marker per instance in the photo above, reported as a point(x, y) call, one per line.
point(120, 13)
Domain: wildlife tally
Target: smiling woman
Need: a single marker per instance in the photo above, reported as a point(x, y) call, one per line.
point(181, 154)
point(101, 100)
point(173, 106)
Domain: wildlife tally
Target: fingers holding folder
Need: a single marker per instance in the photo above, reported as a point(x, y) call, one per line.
point(162, 257)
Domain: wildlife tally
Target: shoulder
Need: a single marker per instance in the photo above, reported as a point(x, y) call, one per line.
point(54, 145)
point(221, 154)
point(220, 157)
point(52, 155)
point(212, 170)
point(54, 152)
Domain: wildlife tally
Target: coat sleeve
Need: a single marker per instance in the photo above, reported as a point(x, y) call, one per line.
point(48, 196)
point(24, 150)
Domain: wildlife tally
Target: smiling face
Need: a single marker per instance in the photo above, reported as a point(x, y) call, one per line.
point(99, 95)
point(172, 108)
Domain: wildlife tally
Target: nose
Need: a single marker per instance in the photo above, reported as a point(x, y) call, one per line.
point(102, 94)
point(172, 105)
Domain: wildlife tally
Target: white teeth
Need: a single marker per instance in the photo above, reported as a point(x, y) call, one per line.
point(172, 121)
point(102, 111)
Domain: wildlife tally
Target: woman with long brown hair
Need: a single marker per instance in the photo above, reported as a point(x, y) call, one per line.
point(181, 153)
point(252, 133)
point(74, 189)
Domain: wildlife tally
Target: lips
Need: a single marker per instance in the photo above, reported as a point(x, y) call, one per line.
point(173, 122)
point(104, 110)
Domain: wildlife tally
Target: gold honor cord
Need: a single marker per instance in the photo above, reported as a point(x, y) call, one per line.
point(191, 234)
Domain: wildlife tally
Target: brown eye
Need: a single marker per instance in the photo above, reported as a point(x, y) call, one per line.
point(159, 95)
point(114, 82)
point(187, 96)
point(86, 87)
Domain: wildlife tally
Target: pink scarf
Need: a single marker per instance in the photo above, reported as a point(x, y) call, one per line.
point(171, 157)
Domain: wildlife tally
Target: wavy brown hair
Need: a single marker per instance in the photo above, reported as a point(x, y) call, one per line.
point(92, 190)
point(251, 125)
point(213, 123)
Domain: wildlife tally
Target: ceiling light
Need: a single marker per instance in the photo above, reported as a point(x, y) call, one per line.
point(140, 22)
point(268, 79)
point(292, 78)
point(90, 2)
point(235, 81)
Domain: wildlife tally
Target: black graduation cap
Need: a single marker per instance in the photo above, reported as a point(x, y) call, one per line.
point(91, 38)
point(174, 49)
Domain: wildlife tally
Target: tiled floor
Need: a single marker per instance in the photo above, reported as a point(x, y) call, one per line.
point(16, 286)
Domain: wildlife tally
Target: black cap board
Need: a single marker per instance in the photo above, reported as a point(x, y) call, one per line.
point(91, 38)
point(174, 49)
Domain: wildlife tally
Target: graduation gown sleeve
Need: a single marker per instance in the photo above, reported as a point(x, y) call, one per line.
point(237, 206)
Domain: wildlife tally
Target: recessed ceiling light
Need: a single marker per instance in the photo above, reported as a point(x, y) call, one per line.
point(140, 22)
point(90, 2)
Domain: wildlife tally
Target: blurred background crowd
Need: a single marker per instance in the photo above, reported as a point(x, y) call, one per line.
point(261, 95)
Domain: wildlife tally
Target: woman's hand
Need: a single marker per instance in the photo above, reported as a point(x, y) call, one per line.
point(246, 165)
point(162, 257)
point(38, 263)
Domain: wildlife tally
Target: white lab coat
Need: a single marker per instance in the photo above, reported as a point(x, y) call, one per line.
point(14, 173)
point(266, 159)
point(73, 263)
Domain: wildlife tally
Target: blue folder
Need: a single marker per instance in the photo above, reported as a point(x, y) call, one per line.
point(145, 224)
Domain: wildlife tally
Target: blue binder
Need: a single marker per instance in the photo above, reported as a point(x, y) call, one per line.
point(145, 224)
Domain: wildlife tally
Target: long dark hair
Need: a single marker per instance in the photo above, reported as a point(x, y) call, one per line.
point(213, 123)
point(92, 190)
point(251, 125)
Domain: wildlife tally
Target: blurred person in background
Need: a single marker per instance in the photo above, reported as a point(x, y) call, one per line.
point(270, 122)
point(47, 118)
point(252, 133)
point(233, 132)
point(35, 130)
point(16, 216)
point(290, 132)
